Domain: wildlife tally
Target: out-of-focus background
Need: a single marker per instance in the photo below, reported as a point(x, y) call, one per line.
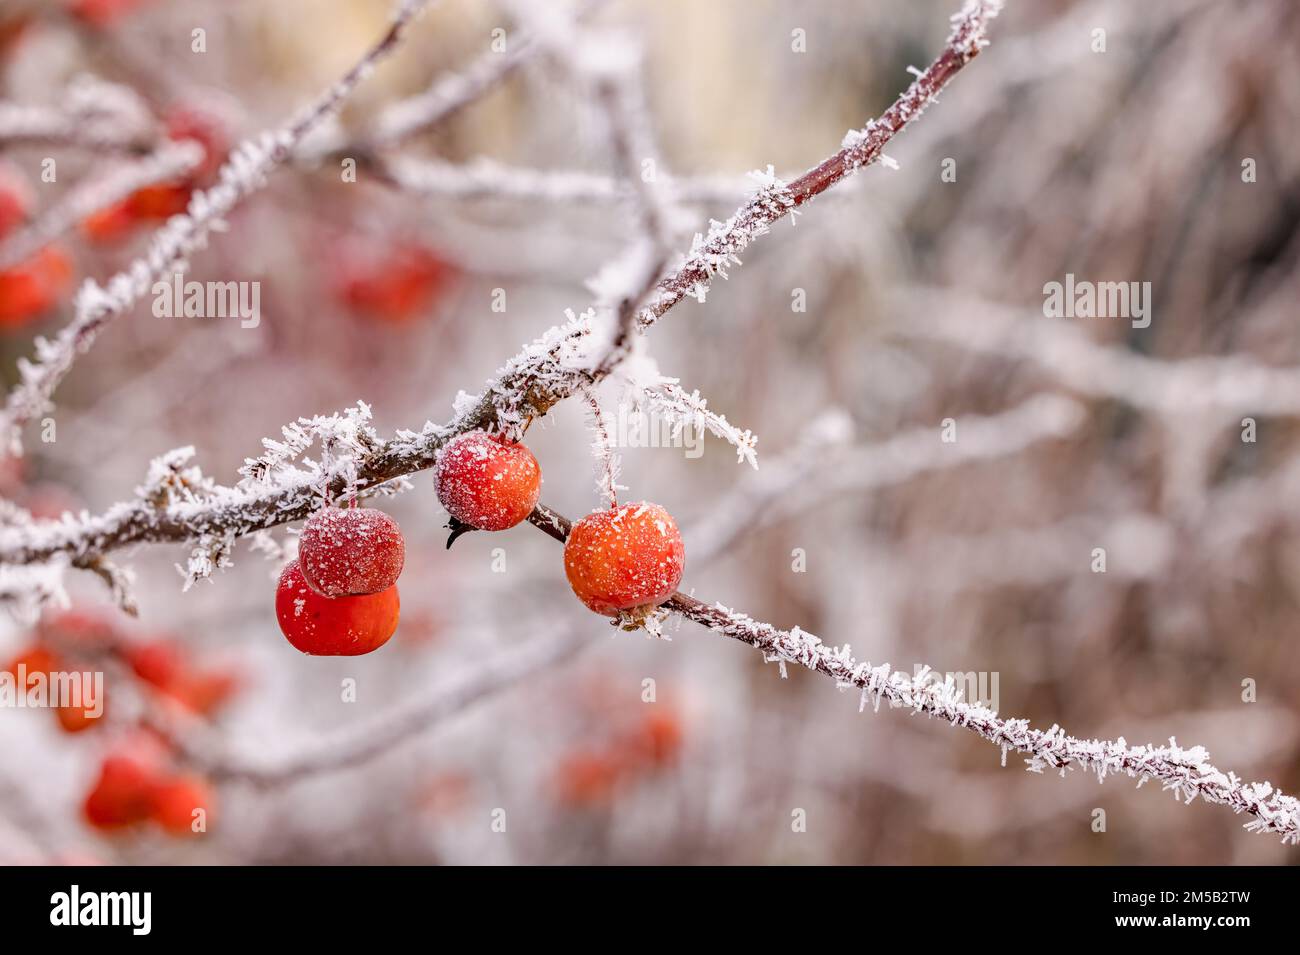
point(1160, 150)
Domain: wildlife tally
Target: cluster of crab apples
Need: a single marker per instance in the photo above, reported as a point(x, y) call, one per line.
point(339, 597)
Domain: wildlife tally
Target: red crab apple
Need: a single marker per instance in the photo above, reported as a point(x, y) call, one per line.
point(487, 482)
point(626, 558)
point(347, 552)
point(333, 626)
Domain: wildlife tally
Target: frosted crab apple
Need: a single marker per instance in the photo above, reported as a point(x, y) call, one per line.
point(351, 552)
point(333, 626)
point(487, 482)
point(624, 559)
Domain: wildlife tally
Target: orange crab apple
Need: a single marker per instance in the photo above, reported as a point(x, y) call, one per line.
point(626, 558)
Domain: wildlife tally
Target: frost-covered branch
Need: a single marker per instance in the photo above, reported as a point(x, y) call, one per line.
point(1229, 385)
point(689, 410)
point(558, 364)
point(243, 174)
point(452, 92)
point(1188, 773)
point(633, 146)
point(801, 478)
point(603, 449)
point(561, 363)
point(94, 115)
point(715, 253)
point(489, 179)
point(1040, 418)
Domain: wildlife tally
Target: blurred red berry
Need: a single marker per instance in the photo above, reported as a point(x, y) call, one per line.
point(159, 202)
point(658, 739)
point(175, 802)
point(80, 628)
point(75, 719)
point(156, 662)
point(35, 659)
point(162, 663)
point(13, 26)
point(109, 223)
point(204, 693)
point(123, 794)
point(587, 779)
point(30, 289)
point(207, 128)
point(395, 286)
point(15, 199)
point(102, 13)
point(39, 659)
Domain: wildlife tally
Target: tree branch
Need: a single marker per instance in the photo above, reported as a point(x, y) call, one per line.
point(242, 175)
point(560, 364)
point(1188, 773)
